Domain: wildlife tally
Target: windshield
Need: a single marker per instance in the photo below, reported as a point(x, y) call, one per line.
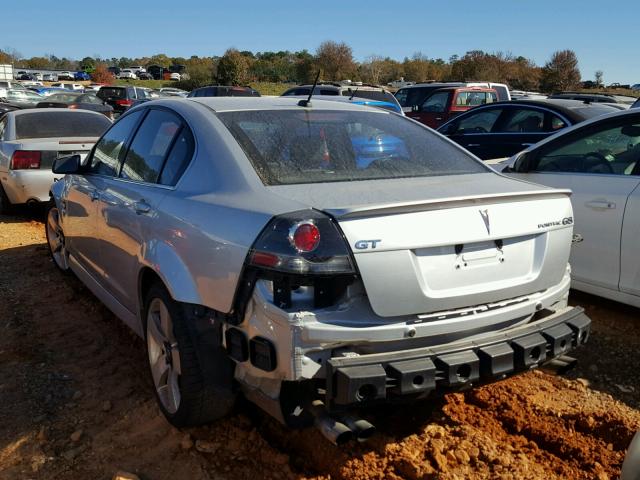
point(60, 124)
point(301, 146)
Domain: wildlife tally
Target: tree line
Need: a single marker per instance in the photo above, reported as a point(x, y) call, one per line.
point(336, 62)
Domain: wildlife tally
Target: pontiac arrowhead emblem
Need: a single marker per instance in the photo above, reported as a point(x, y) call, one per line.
point(485, 218)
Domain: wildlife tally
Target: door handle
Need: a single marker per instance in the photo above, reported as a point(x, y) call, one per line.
point(141, 207)
point(473, 145)
point(94, 195)
point(602, 204)
point(438, 118)
point(526, 144)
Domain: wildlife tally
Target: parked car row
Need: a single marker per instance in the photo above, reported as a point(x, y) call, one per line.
point(52, 77)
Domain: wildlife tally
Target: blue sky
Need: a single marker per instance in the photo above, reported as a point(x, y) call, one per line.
point(603, 35)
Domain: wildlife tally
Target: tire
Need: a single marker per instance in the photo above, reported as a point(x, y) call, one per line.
point(6, 206)
point(56, 240)
point(191, 373)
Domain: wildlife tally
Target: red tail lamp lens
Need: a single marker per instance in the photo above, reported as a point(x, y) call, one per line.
point(305, 237)
point(25, 159)
point(264, 259)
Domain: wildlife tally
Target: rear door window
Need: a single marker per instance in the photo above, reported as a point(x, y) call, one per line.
point(556, 123)
point(525, 120)
point(109, 149)
point(178, 158)
point(150, 146)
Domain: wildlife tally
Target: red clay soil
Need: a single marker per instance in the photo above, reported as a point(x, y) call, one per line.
point(76, 403)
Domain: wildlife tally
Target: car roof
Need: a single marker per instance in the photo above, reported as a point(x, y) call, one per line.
point(338, 86)
point(243, 87)
point(229, 104)
point(576, 109)
point(434, 85)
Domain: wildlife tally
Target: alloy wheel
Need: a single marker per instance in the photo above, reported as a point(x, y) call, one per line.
point(164, 355)
point(56, 239)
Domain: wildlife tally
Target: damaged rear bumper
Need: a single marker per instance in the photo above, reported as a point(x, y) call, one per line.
point(420, 372)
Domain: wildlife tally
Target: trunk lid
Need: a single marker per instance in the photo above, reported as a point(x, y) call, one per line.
point(51, 149)
point(461, 244)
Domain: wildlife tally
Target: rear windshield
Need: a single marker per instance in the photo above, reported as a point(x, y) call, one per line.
point(408, 97)
point(594, 110)
point(106, 92)
point(60, 124)
point(291, 147)
point(370, 94)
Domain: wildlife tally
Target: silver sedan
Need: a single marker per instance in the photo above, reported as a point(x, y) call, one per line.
point(313, 256)
point(30, 141)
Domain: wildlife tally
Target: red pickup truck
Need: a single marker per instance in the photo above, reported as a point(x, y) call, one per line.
point(442, 104)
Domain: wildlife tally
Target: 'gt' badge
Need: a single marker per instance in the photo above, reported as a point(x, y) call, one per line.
point(485, 218)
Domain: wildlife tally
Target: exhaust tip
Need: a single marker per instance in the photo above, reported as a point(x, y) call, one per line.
point(362, 429)
point(366, 434)
point(336, 432)
point(343, 438)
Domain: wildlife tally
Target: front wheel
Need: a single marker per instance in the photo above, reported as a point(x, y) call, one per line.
point(56, 239)
point(193, 384)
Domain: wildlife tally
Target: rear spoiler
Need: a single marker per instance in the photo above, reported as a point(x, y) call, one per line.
point(79, 140)
point(440, 203)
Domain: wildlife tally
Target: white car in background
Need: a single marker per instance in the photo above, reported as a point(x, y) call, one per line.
point(30, 141)
point(126, 73)
point(69, 86)
point(175, 76)
point(32, 84)
point(599, 160)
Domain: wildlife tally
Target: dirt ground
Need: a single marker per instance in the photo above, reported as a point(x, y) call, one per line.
point(76, 403)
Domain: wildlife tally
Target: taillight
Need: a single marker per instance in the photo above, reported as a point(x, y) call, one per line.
point(304, 236)
point(302, 256)
point(73, 106)
point(124, 103)
point(25, 159)
point(306, 243)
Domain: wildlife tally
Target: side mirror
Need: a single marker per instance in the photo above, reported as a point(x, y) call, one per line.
point(66, 165)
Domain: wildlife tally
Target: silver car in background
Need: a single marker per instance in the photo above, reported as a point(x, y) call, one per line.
point(313, 256)
point(30, 141)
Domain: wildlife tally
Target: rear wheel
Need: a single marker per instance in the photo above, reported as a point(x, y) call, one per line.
point(5, 203)
point(56, 239)
point(192, 385)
